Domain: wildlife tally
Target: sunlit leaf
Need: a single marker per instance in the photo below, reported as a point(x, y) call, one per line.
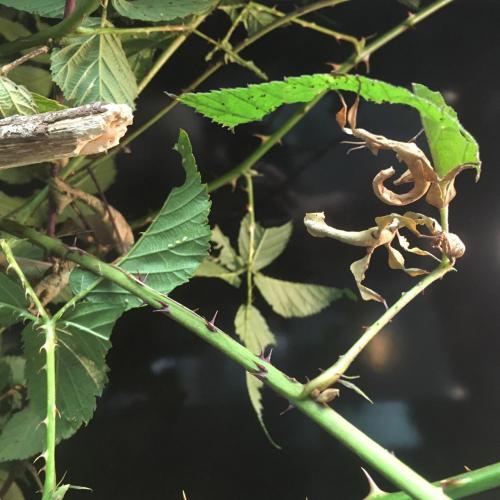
point(269, 243)
point(161, 10)
point(15, 99)
point(231, 107)
point(94, 68)
point(174, 245)
point(296, 299)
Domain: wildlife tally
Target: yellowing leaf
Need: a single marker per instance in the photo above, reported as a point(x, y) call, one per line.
point(296, 299)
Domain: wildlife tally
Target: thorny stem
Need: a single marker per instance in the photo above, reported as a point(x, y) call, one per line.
point(50, 367)
point(462, 485)
point(378, 457)
point(49, 327)
point(331, 375)
point(169, 28)
point(356, 58)
point(83, 9)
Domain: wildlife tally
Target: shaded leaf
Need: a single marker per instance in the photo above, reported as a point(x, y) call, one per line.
point(32, 77)
point(83, 341)
point(449, 146)
point(227, 255)
point(269, 243)
point(11, 30)
point(253, 331)
point(47, 8)
point(161, 10)
point(94, 68)
point(13, 303)
point(212, 269)
point(255, 20)
point(15, 99)
point(14, 492)
point(231, 107)
point(173, 246)
point(296, 300)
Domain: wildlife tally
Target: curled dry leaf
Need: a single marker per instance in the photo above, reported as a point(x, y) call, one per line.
point(383, 234)
point(420, 172)
point(109, 223)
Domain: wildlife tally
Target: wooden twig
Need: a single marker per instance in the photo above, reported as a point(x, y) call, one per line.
point(21, 60)
point(85, 130)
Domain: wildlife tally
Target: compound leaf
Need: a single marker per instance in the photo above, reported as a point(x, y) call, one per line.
point(296, 300)
point(161, 10)
point(173, 246)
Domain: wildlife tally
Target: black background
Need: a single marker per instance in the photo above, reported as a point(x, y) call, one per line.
point(175, 415)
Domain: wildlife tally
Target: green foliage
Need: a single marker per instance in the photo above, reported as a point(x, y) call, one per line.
point(44, 104)
point(161, 10)
point(15, 99)
point(297, 299)
point(231, 107)
point(269, 242)
point(173, 246)
point(83, 341)
point(13, 303)
point(94, 68)
point(449, 146)
point(47, 8)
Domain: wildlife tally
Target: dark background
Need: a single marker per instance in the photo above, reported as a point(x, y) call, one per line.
point(175, 415)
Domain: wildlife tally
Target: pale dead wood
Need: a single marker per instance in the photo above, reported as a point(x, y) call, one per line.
point(85, 130)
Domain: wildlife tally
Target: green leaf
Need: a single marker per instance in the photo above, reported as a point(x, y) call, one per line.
point(296, 300)
point(11, 30)
point(46, 8)
point(269, 243)
point(44, 105)
point(83, 341)
point(94, 68)
point(33, 78)
point(14, 492)
point(15, 99)
point(227, 255)
point(231, 107)
point(13, 303)
point(449, 146)
point(253, 331)
point(211, 269)
point(161, 10)
point(255, 20)
point(173, 246)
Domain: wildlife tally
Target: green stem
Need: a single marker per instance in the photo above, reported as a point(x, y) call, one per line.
point(332, 374)
point(356, 58)
point(50, 484)
point(70, 23)
point(130, 31)
point(358, 44)
point(49, 326)
point(251, 240)
point(378, 457)
point(443, 212)
point(462, 485)
point(169, 52)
